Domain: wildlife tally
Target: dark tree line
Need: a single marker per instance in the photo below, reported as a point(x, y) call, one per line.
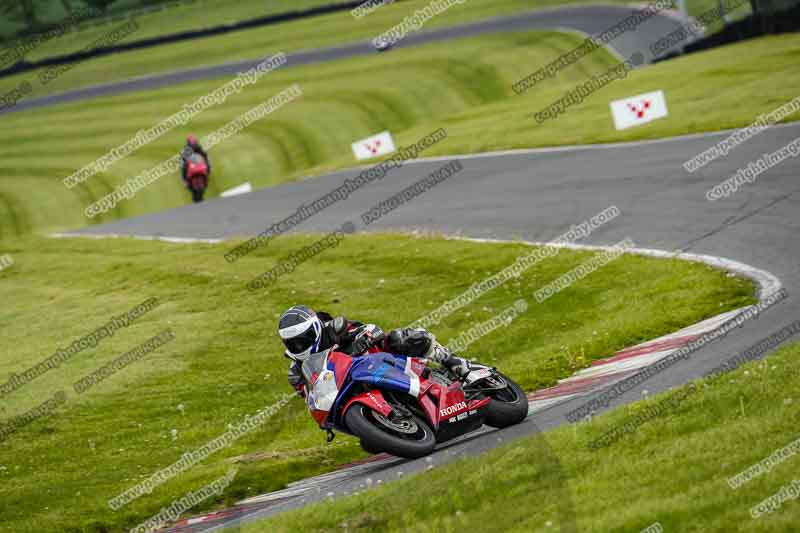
point(29, 12)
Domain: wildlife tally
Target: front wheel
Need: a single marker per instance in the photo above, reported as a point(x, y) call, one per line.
point(198, 186)
point(509, 405)
point(408, 437)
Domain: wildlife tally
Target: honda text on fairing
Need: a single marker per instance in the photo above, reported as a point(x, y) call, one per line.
point(396, 404)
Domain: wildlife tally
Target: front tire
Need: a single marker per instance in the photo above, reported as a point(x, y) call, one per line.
point(508, 407)
point(415, 439)
point(366, 448)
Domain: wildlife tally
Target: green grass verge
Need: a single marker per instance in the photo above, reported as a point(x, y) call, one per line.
point(315, 32)
point(58, 472)
point(318, 31)
point(673, 470)
point(464, 87)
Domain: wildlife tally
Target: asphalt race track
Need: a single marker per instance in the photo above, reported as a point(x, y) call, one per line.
point(586, 19)
point(536, 195)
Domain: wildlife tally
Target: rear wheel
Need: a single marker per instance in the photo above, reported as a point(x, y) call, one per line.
point(408, 436)
point(509, 405)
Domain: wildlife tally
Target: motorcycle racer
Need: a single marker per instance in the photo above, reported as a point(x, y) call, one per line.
point(192, 147)
point(305, 331)
point(195, 168)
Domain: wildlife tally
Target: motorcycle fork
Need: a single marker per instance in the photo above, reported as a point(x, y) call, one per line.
point(403, 409)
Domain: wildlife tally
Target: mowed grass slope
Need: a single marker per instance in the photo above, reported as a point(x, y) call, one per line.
point(58, 472)
point(464, 87)
point(672, 470)
point(342, 101)
point(315, 32)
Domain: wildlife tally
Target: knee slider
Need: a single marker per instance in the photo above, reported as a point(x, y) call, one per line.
point(410, 342)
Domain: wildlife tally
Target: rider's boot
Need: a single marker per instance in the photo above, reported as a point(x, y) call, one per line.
point(420, 343)
point(457, 366)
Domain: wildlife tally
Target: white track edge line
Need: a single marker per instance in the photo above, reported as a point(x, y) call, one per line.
point(767, 282)
point(163, 238)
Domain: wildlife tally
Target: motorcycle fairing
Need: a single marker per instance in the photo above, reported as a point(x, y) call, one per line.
point(331, 374)
point(373, 399)
point(196, 166)
point(340, 364)
point(378, 369)
point(323, 386)
point(384, 370)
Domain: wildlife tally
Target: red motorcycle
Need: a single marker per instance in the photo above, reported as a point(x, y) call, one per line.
point(396, 404)
point(197, 176)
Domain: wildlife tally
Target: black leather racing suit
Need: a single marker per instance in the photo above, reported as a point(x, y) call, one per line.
point(355, 338)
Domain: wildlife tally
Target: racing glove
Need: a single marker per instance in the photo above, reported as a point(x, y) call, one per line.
point(365, 338)
point(296, 380)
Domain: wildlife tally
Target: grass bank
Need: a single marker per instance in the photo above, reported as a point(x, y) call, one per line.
point(315, 32)
point(59, 471)
point(464, 87)
point(673, 471)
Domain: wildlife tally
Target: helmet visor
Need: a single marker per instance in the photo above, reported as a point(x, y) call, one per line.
point(302, 342)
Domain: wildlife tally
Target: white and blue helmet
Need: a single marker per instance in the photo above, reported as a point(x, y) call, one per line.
point(301, 332)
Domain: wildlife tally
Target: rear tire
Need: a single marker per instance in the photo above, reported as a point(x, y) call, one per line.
point(508, 407)
point(376, 437)
point(366, 448)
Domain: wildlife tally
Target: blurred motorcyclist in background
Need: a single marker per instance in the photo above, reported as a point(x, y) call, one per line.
point(193, 147)
point(305, 331)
